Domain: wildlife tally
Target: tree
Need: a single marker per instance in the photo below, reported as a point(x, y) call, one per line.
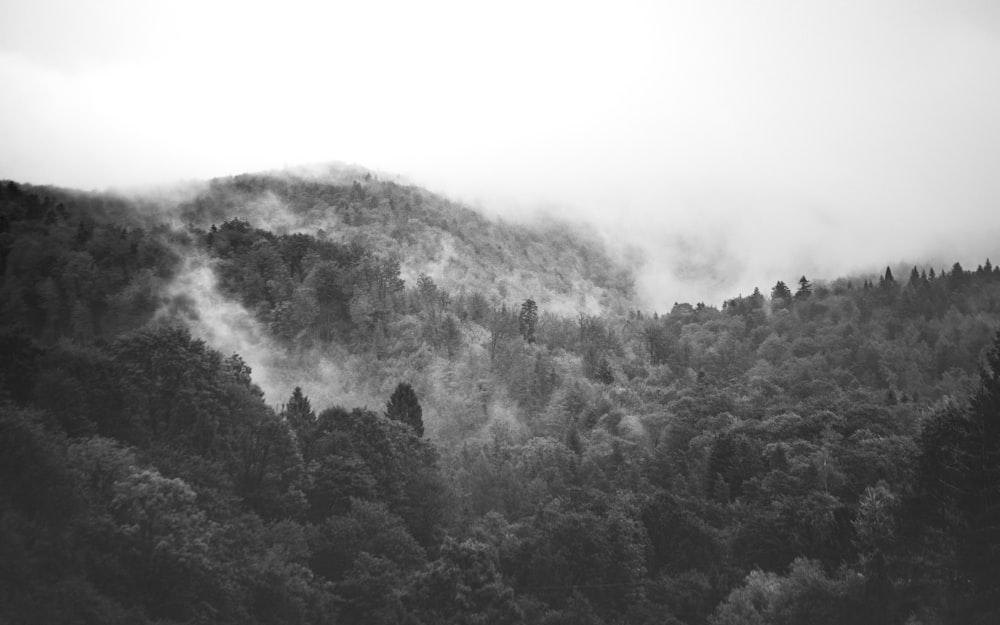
point(805, 289)
point(957, 277)
point(300, 416)
point(528, 319)
point(781, 292)
point(427, 291)
point(501, 327)
point(888, 279)
point(403, 406)
point(174, 386)
point(604, 373)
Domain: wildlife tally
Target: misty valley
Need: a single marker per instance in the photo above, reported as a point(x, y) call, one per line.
point(335, 398)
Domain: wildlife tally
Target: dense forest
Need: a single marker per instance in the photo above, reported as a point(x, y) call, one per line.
point(487, 429)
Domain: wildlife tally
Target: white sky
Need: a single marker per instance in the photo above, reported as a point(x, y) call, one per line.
point(750, 141)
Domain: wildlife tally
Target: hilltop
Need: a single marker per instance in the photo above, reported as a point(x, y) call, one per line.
point(562, 265)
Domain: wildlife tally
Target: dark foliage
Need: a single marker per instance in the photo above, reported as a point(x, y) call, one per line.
point(829, 456)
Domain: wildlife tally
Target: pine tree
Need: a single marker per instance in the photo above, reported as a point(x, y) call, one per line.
point(527, 320)
point(781, 292)
point(805, 289)
point(604, 373)
point(957, 277)
point(300, 416)
point(403, 406)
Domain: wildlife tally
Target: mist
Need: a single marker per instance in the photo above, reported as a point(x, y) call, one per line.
point(329, 374)
point(228, 327)
point(727, 146)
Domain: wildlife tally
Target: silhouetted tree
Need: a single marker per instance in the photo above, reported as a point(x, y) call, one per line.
point(781, 295)
point(528, 319)
point(404, 406)
point(781, 291)
point(805, 289)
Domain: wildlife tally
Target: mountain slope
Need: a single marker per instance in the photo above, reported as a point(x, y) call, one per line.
point(178, 431)
point(562, 265)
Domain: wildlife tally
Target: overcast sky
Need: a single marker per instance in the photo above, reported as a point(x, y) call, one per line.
point(736, 142)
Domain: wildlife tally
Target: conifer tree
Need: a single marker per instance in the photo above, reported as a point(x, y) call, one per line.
point(527, 320)
point(805, 289)
point(781, 292)
point(403, 406)
point(604, 373)
point(299, 413)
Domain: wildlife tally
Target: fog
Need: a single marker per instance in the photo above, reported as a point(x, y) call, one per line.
point(728, 144)
point(329, 377)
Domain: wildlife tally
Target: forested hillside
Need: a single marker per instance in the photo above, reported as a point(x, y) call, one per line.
point(450, 419)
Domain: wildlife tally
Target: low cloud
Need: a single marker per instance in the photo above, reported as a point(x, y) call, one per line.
point(227, 326)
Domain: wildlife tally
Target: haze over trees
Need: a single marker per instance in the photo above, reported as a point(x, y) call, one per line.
point(547, 452)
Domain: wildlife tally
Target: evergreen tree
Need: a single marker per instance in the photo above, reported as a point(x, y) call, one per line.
point(527, 320)
point(404, 406)
point(781, 292)
point(300, 416)
point(957, 277)
point(604, 373)
point(887, 279)
point(805, 289)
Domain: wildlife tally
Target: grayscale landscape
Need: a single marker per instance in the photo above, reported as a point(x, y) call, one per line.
point(441, 312)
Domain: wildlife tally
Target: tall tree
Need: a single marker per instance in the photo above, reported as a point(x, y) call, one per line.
point(805, 289)
point(528, 319)
point(781, 294)
point(404, 406)
point(501, 327)
point(301, 418)
point(888, 279)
